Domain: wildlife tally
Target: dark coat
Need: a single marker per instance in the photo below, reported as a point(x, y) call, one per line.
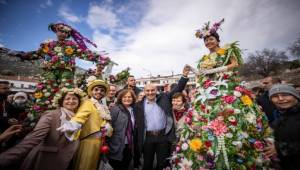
point(267, 106)
point(287, 138)
point(164, 101)
point(120, 116)
point(42, 149)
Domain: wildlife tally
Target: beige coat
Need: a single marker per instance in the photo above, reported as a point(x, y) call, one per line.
point(43, 149)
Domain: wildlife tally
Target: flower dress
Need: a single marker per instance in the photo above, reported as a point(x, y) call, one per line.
point(58, 64)
point(224, 129)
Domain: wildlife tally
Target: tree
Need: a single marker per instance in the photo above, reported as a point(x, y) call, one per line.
point(294, 49)
point(264, 63)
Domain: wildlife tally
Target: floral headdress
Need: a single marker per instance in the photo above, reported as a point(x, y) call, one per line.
point(64, 91)
point(207, 30)
point(80, 40)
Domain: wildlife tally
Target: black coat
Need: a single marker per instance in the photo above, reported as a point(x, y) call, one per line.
point(287, 138)
point(163, 100)
point(135, 89)
point(267, 106)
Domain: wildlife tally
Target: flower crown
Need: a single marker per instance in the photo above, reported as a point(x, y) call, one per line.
point(207, 30)
point(64, 91)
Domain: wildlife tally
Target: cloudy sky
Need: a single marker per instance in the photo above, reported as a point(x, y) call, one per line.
point(152, 36)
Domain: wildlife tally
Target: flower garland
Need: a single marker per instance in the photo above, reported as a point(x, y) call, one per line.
point(64, 91)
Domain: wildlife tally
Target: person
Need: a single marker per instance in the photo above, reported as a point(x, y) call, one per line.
point(110, 99)
point(121, 143)
point(140, 96)
point(225, 128)
point(90, 125)
point(264, 101)
point(131, 84)
point(45, 148)
point(286, 128)
point(178, 106)
point(58, 63)
point(155, 124)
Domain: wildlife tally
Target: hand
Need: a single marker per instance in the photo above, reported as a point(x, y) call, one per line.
point(270, 150)
point(186, 70)
point(10, 132)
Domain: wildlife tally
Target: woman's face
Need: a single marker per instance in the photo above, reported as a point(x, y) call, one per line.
point(211, 43)
point(177, 103)
point(71, 102)
point(61, 34)
point(98, 92)
point(141, 96)
point(284, 100)
point(127, 99)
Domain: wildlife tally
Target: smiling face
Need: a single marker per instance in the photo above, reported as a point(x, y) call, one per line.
point(127, 99)
point(284, 100)
point(177, 103)
point(61, 33)
point(71, 102)
point(211, 43)
point(98, 92)
point(150, 92)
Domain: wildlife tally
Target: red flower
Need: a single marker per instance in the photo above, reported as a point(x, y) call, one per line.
point(207, 144)
point(229, 99)
point(233, 123)
point(243, 90)
point(188, 120)
point(207, 83)
point(258, 145)
point(225, 76)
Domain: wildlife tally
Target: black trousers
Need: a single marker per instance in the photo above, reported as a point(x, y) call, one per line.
point(125, 162)
point(156, 145)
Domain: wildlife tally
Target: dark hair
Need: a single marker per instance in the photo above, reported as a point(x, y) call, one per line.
point(4, 82)
point(61, 100)
point(122, 93)
point(179, 94)
point(214, 34)
point(276, 80)
point(53, 27)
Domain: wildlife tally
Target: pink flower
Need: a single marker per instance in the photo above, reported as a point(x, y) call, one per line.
point(188, 120)
point(54, 58)
point(218, 127)
point(258, 145)
point(229, 99)
point(207, 83)
point(40, 86)
point(36, 108)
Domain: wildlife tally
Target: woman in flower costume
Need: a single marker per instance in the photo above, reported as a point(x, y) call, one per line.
point(224, 129)
point(58, 63)
point(90, 125)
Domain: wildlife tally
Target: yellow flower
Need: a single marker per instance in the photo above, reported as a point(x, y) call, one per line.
point(38, 95)
point(45, 49)
point(195, 144)
point(221, 51)
point(69, 50)
point(205, 57)
point(247, 100)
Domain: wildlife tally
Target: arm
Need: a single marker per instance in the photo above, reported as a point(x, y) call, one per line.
point(233, 64)
point(182, 82)
point(34, 138)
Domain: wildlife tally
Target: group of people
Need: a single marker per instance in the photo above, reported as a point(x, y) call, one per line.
point(218, 125)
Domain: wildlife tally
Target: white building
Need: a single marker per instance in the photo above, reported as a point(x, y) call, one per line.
point(20, 83)
point(163, 81)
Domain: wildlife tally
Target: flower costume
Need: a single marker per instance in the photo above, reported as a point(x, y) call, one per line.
point(58, 63)
point(224, 129)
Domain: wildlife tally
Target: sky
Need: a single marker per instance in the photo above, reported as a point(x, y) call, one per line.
point(152, 37)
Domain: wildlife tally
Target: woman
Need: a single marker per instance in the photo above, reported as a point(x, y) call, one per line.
point(225, 129)
point(59, 63)
point(286, 127)
point(45, 148)
point(178, 106)
point(121, 142)
point(90, 125)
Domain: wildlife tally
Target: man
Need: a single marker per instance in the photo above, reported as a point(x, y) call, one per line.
point(287, 127)
point(155, 124)
point(110, 99)
point(131, 84)
point(264, 101)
